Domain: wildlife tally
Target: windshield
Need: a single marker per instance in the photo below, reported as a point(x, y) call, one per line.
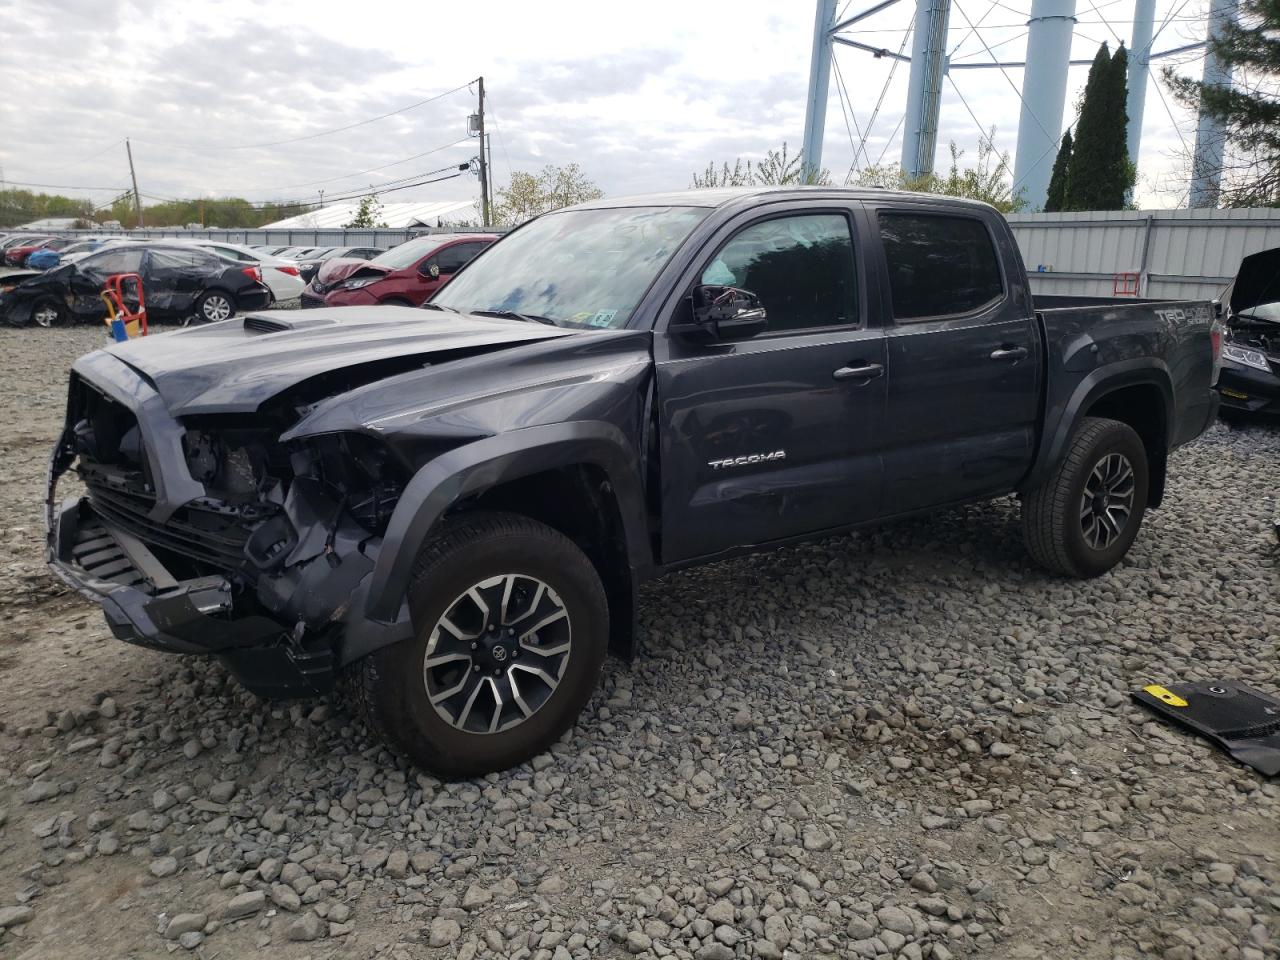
point(579, 268)
point(407, 254)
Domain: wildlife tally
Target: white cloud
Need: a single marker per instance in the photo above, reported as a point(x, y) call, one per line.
point(640, 96)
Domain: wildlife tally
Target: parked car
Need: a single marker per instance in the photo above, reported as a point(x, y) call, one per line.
point(458, 504)
point(14, 240)
point(1250, 379)
point(281, 275)
point(179, 281)
point(310, 265)
point(405, 275)
point(16, 255)
point(49, 255)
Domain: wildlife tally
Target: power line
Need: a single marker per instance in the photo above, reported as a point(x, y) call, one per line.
point(312, 136)
point(57, 186)
point(843, 93)
point(359, 173)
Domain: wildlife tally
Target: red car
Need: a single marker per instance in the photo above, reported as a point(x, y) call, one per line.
point(406, 275)
point(16, 255)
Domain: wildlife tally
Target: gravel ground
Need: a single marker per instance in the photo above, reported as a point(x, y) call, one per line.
point(903, 743)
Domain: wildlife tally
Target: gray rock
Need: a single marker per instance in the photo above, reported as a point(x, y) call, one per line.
point(443, 931)
point(15, 916)
point(307, 927)
point(245, 905)
point(164, 866)
point(184, 923)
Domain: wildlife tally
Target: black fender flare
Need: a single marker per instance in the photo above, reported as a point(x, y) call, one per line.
point(478, 466)
point(1062, 421)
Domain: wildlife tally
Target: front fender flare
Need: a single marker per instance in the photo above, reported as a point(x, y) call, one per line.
point(478, 466)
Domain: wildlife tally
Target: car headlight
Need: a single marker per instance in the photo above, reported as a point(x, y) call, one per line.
point(359, 282)
point(1245, 357)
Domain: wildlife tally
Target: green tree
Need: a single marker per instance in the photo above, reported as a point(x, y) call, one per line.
point(987, 181)
point(367, 215)
point(1099, 173)
point(1250, 109)
point(1056, 198)
point(776, 169)
point(529, 194)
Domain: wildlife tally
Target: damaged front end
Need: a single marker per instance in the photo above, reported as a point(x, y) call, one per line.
point(210, 535)
point(1250, 377)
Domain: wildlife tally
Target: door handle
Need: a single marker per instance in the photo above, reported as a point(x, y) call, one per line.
point(860, 371)
point(1009, 353)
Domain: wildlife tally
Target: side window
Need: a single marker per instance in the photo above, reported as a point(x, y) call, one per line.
point(454, 258)
point(801, 268)
point(938, 265)
point(179, 259)
point(113, 261)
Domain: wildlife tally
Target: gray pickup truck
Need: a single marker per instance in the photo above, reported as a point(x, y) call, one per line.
point(455, 505)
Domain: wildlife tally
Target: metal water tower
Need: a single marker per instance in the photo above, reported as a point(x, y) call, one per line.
point(1042, 97)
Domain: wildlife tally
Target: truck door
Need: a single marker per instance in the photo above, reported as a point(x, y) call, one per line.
point(776, 435)
point(964, 384)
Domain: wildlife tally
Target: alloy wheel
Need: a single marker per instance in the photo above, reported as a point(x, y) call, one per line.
point(216, 307)
point(1106, 503)
point(497, 654)
point(46, 316)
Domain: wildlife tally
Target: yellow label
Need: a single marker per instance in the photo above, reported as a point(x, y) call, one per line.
point(1235, 394)
point(1160, 693)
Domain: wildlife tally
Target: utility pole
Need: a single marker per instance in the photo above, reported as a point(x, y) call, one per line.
point(484, 162)
point(137, 197)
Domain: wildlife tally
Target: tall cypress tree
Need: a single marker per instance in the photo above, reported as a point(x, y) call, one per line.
point(1056, 198)
point(1098, 173)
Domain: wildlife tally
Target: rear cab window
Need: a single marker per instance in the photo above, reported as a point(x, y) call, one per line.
point(940, 264)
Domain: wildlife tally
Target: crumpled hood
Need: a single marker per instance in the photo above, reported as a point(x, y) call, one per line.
point(339, 268)
point(1257, 282)
point(237, 365)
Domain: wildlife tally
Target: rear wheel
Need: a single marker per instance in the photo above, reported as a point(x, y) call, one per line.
point(48, 312)
point(215, 305)
point(511, 630)
point(1082, 520)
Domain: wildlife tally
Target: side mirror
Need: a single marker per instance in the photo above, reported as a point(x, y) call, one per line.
point(724, 313)
point(433, 270)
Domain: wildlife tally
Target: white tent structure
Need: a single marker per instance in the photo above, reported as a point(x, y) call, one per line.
point(399, 216)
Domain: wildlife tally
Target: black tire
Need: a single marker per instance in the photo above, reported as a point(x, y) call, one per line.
point(395, 302)
point(1053, 515)
point(210, 306)
point(48, 312)
point(475, 551)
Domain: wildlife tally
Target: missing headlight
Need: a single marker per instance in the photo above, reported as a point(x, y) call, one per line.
point(357, 471)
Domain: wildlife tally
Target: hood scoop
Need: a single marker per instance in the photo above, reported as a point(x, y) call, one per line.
point(276, 324)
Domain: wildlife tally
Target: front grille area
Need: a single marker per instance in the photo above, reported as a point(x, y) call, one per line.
point(206, 536)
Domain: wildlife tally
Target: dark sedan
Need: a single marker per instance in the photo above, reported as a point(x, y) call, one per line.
point(179, 282)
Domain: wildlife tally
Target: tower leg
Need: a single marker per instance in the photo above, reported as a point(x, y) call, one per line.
point(924, 90)
point(1044, 94)
point(815, 114)
point(1206, 163)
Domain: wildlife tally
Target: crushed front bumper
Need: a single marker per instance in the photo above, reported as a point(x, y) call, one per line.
point(284, 627)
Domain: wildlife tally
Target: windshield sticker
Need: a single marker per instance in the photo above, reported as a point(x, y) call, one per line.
point(582, 316)
point(602, 318)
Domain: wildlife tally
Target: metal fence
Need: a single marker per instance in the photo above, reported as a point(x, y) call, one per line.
point(380, 237)
point(1175, 254)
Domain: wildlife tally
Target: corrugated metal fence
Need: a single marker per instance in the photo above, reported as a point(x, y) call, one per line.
point(1176, 254)
point(384, 238)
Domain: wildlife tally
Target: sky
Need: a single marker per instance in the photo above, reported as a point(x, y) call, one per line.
point(640, 96)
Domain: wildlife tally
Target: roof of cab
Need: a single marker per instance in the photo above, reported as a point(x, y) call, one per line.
point(723, 196)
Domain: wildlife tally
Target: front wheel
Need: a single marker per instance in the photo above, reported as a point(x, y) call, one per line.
point(1082, 520)
point(511, 628)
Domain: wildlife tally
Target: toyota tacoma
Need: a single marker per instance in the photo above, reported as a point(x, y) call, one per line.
point(454, 506)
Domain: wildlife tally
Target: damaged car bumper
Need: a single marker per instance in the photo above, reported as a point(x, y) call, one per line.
point(277, 590)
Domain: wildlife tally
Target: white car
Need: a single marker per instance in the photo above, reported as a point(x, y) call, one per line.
point(280, 275)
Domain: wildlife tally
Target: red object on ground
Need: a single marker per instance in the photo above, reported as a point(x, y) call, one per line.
point(116, 294)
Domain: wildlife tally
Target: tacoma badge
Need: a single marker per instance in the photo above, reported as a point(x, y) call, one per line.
point(747, 460)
